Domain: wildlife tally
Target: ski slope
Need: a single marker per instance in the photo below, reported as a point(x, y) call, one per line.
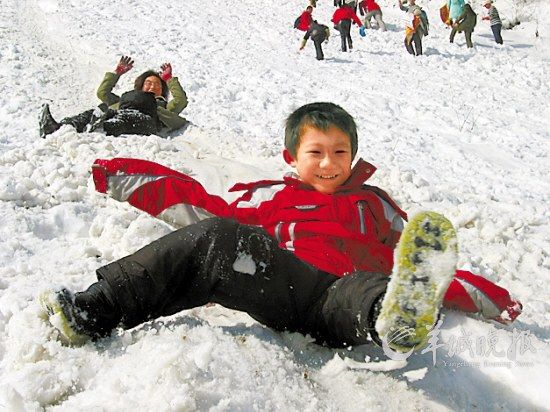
point(465, 132)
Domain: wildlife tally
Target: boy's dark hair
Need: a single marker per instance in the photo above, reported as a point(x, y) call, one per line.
point(319, 115)
point(138, 83)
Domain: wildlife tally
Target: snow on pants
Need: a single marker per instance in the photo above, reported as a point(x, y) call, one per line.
point(345, 34)
point(81, 121)
point(240, 267)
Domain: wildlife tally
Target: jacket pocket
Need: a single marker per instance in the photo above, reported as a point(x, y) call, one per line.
point(361, 212)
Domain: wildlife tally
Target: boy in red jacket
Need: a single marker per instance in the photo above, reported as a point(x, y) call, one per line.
point(309, 253)
point(305, 19)
point(342, 19)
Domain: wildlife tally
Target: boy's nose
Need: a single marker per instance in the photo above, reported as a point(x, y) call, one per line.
point(326, 161)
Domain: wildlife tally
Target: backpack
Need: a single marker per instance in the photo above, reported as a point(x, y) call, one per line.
point(297, 22)
point(136, 114)
point(425, 21)
point(141, 101)
point(319, 30)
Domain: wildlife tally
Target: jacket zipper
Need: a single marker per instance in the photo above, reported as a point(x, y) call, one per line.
point(361, 208)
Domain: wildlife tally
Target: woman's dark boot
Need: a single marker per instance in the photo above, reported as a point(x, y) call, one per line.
point(47, 123)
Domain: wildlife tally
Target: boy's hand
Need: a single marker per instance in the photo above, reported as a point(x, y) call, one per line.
point(166, 72)
point(124, 65)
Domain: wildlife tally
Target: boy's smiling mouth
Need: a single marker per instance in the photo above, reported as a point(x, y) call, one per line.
point(327, 176)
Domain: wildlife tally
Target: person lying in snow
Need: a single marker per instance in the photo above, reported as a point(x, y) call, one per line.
point(311, 253)
point(144, 110)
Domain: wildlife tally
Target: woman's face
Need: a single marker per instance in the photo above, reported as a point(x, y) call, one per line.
point(152, 84)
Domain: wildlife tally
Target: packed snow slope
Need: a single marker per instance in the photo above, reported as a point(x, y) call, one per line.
point(463, 132)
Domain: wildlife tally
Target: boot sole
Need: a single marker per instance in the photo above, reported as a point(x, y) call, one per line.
point(425, 264)
point(49, 301)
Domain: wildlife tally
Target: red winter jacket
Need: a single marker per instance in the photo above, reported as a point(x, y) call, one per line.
point(345, 13)
point(305, 21)
point(368, 5)
point(354, 229)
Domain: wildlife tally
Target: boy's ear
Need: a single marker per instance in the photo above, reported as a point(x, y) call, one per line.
point(288, 158)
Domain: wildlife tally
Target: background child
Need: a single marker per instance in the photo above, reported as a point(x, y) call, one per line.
point(318, 33)
point(415, 31)
point(342, 19)
point(494, 18)
point(370, 9)
point(466, 23)
point(304, 20)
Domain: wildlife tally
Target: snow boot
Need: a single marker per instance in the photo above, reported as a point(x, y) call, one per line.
point(64, 316)
point(425, 264)
point(47, 123)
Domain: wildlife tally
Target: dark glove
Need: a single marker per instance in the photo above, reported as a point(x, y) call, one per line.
point(125, 64)
point(166, 72)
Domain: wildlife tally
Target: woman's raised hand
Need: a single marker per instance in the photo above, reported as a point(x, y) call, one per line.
point(166, 71)
point(125, 64)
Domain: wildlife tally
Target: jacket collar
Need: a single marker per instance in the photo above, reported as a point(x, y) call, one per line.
point(360, 173)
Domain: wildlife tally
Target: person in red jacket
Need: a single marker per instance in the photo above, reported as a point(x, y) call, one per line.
point(370, 9)
point(309, 253)
point(305, 19)
point(342, 19)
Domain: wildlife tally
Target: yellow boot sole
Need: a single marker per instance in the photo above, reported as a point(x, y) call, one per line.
point(425, 264)
point(49, 301)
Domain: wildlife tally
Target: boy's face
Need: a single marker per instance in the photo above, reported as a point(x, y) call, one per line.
point(323, 158)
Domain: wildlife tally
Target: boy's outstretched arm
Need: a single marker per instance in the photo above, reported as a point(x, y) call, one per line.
point(475, 294)
point(174, 197)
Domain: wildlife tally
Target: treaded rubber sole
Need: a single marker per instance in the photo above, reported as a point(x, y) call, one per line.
point(49, 301)
point(425, 264)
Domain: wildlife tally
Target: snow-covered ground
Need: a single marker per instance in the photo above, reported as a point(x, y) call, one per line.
point(464, 132)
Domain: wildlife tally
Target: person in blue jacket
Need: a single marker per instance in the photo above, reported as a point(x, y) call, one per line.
point(456, 7)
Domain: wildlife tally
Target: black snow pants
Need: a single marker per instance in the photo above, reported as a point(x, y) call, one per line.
point(114, 122)
point(344, 27)
point(417, 41)
point(82, 121)
point(318, 42)
point(240, 267)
